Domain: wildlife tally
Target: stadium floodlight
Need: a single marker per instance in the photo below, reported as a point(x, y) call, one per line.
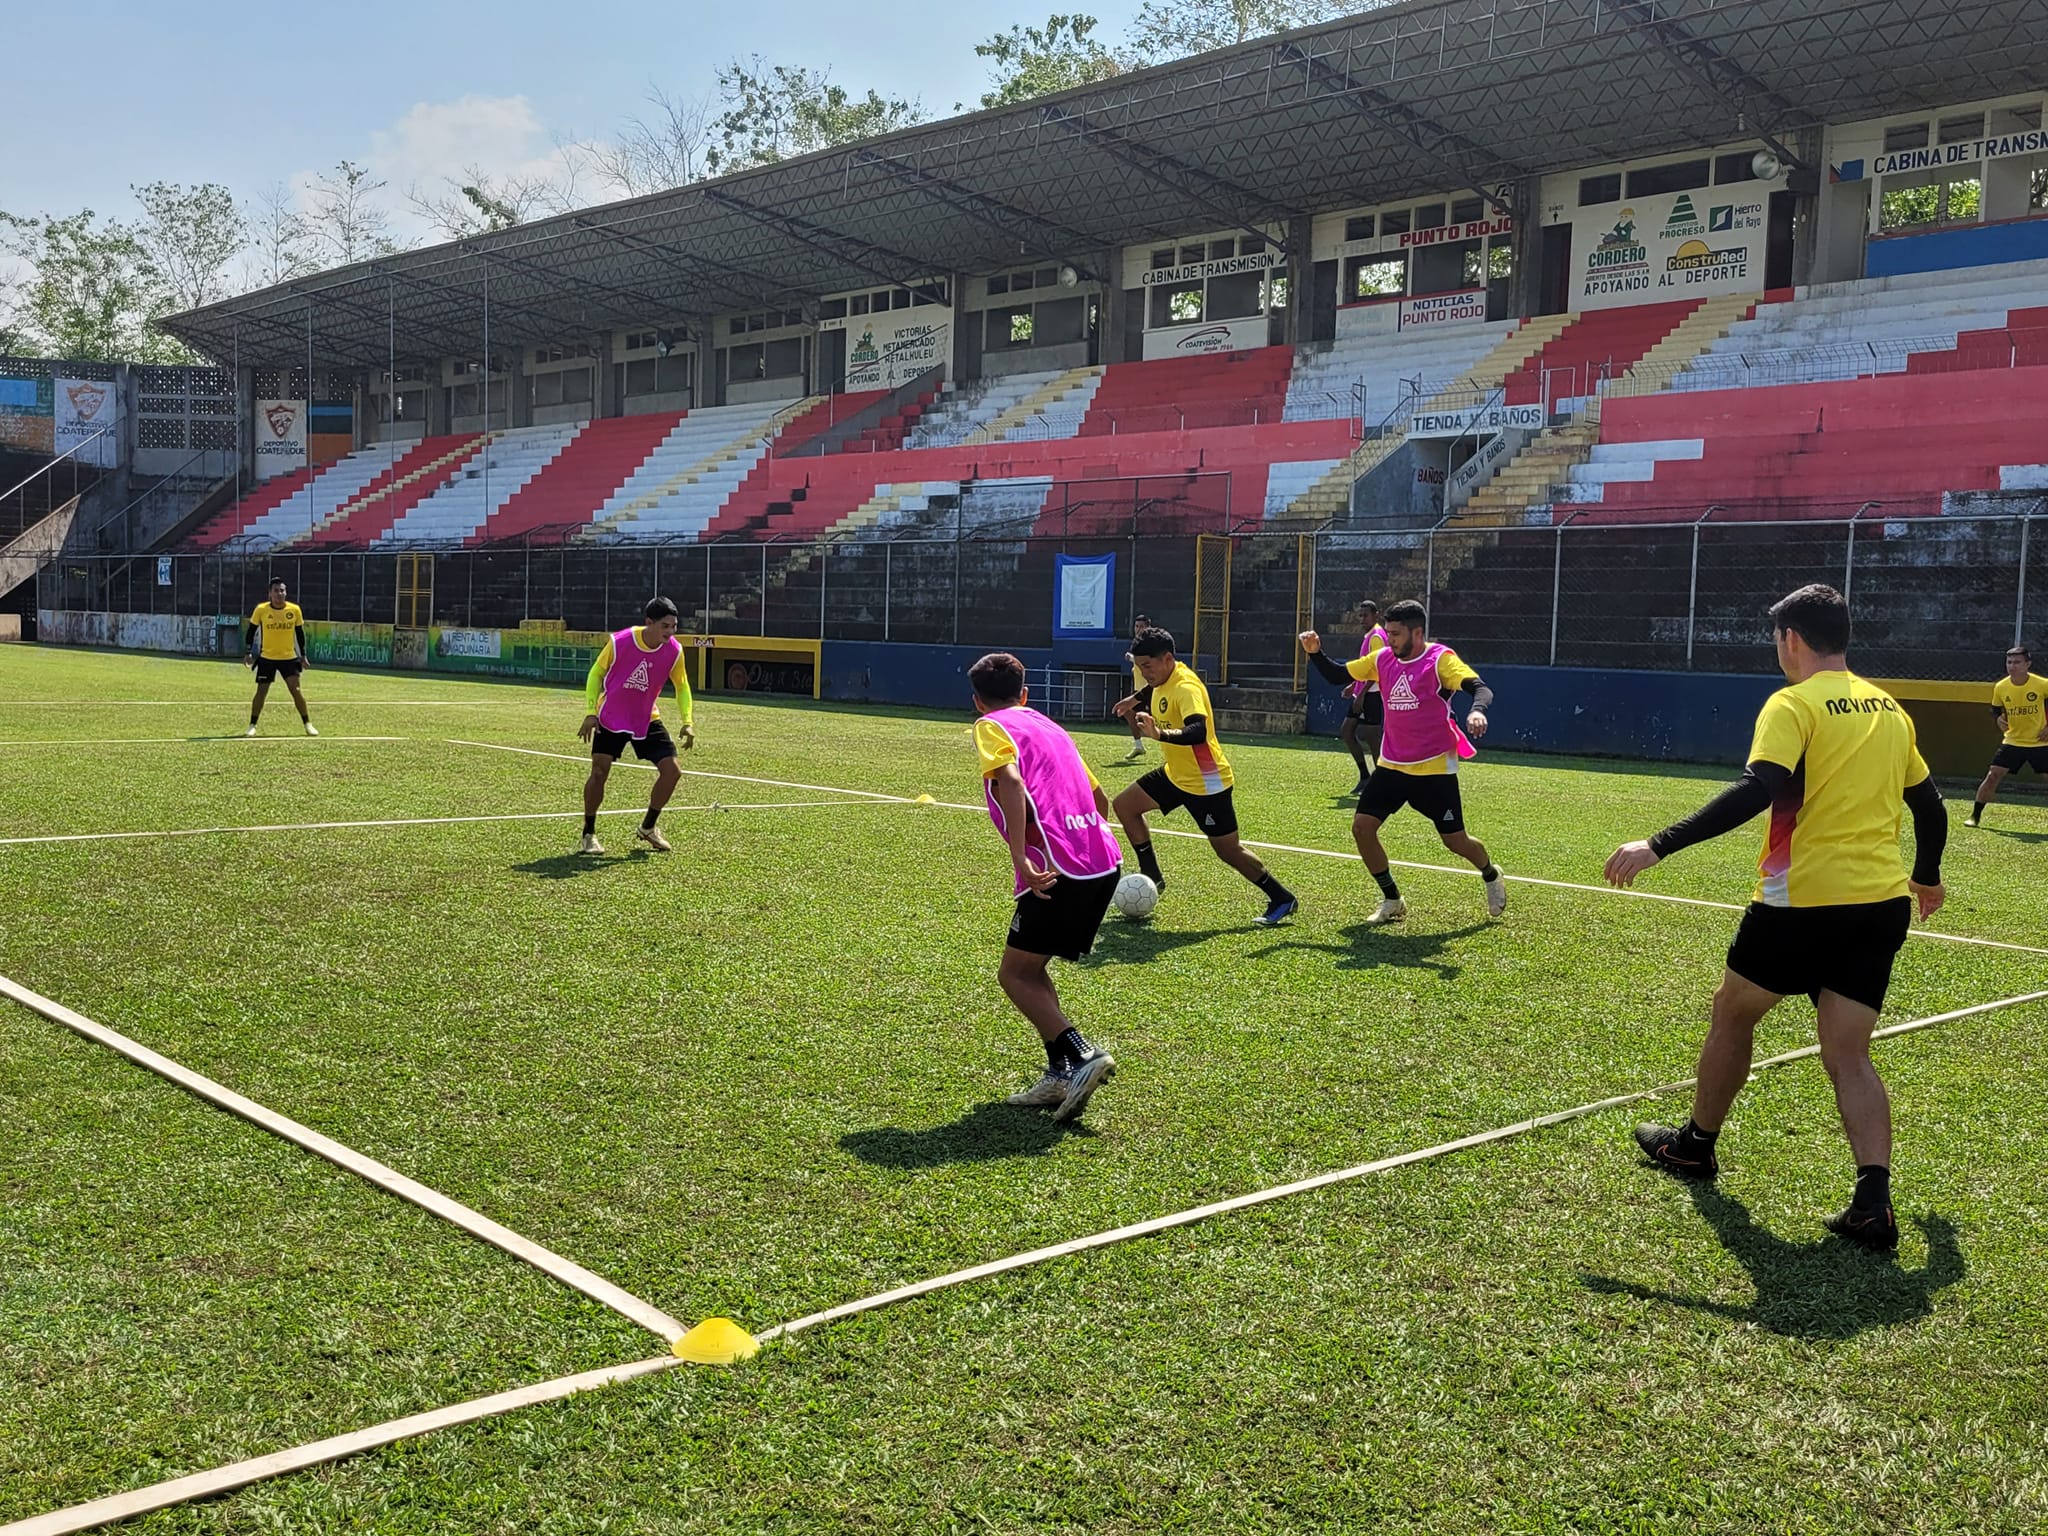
point(1766, 165)
point(1069, 277)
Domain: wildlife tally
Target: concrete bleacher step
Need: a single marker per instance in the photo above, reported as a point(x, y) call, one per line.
point(999, 427)
point(728, 451)
point(441, 464)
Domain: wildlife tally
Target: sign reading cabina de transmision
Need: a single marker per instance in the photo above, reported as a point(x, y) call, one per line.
point(888, 351)
point(280, 437)
point(1674, 245)
point(1223, 266)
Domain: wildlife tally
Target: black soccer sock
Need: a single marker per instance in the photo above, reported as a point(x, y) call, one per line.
point(1388, 889)
point(1274, 890)
point(589, 824)
point(647, 821)
point(1873, 1189)
point(1694, 1142)
point(1069, 1050)
point(1358, 752)
point(1148, 861)
point(302, 712)
point(1490, 874)
point(1977, 810)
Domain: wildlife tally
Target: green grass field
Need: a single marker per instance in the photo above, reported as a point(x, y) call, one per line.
point(763, 1076)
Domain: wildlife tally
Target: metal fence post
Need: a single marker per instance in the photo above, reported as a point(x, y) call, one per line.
point(1556, 589)
point(824, 560)
point(1428, 568)
point(764, 589)
point(956, 591)
point(888, 552)
point(1849, 564)
point(707, 589)
point(2019, 612)
point(1692, 596)
point(657, 572)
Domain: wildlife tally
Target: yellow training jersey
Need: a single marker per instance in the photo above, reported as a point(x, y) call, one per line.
point(1201, 769)
point(277, 630)
point(1833, 837)
point(2021, 704)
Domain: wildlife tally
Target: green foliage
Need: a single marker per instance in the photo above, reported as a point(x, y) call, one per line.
point(775, 111)
point(1036, 61)
point(89, 290)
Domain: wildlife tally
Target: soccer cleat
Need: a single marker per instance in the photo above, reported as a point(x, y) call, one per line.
point(1496, 895)
point(1049, 1092)
point(250, 732)
point(1137, 751)
point(1278, 912)
point(1659, 1143)
point(1876, 1230)
point(1082, 1081)
point(652, 837)
point(590, 844)
point(1392, 910)
point(312, 729)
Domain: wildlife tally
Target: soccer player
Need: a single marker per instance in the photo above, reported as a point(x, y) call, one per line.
point(1363, 721)
point(1197, 774)
point(1138, 701)
point(621, 691)
point(1833, 760)
point(281, 627)
point(2016, 705)
point(1419, 751)
point(1052, 813)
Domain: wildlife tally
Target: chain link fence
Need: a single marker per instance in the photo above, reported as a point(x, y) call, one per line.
point(1934, 597)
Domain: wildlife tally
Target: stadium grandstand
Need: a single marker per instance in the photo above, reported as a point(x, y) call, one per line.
point(1591, 319)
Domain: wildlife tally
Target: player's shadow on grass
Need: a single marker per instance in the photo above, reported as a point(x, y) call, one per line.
point(985, 1133)
point(567, 866)
point(2016, 835)
point(1367, 948)
point(1824, 1289)
point(1123, 942)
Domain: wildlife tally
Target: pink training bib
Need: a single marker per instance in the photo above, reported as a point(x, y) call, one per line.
point(634, 681)
point(1365, 649)
point(1067, 832)
point(1420, 724)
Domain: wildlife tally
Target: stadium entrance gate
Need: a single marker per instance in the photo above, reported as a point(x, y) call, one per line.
point(1212, 603)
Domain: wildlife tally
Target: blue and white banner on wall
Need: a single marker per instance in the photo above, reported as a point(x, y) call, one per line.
point(1083, 595)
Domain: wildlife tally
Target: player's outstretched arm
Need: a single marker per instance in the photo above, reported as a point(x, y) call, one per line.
point(1930, 838)
point(687, 733)
point(1477, 718)
point(1741, 801)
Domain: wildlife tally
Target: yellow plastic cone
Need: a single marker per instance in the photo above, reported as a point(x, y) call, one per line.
point(926, 800)
point(716, 1341)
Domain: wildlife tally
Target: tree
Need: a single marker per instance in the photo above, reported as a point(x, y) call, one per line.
point(280, 244)
point(1173, 29)
point(477, 203)
point(189, 239)
point(346, 221)
point(666, 148)
point(773, 112)
point(1036, 61)
point(91, 290)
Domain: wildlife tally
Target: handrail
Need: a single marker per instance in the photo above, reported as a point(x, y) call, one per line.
point(59, 459)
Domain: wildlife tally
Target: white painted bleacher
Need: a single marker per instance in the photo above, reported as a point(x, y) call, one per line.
point(455, 511)
point(1288, 483)
point(687, 510)
point(1587, 483)
point(1860, 329)
point(319, 497)
point(966, 408)
point(1010, 504)
point(1324, 384)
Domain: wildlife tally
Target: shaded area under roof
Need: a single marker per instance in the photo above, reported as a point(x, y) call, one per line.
point(1421, 97)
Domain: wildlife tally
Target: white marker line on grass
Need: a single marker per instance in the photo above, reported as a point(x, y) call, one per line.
point(699, 773)
point(189, 741)
point(477, 1225)
point(1320, 1181)
point(81, 1517)
point(413, 821)
point(206, 1485)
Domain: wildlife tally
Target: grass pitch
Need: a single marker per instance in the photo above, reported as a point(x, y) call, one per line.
point(764, 1075)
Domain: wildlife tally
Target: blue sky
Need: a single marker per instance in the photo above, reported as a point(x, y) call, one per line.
point(252, 94)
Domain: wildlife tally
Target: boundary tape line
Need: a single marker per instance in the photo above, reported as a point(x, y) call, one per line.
point(188, 741)
point(432, 1201)
point(80, 1517)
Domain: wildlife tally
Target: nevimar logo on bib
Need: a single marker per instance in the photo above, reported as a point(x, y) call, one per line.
point(1401, 695)
point(639, 678)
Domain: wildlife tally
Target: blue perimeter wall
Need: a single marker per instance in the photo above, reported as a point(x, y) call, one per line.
point(1681, 716)
point(1948, 250)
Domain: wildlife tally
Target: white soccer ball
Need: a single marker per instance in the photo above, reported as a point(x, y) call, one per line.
point(1135, 897)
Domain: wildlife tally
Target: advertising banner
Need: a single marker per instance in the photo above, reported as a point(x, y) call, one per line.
point(88, 411)
point(1676, 245)
point(1443, 234)
point(1486, 419)
point(1206, 336)
point(888, 351)
point(348, 645)
point(280, 437)
point(1444, 311)
point(27, 415)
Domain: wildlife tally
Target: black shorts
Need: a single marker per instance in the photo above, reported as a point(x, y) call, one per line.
point(269, 671)
point(655, 747)
point(1064, 921)
point(1215, 815)
point(1846, 949)
point(1435, 795)
point(1370, 707)
point(2012, 759)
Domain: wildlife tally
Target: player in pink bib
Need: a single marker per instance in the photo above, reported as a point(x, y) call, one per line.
point(1364, 720)
point(620, 693)
point(1420, 748)
point(1046, 804)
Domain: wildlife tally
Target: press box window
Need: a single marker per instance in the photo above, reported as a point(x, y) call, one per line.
point(1595, 190)
point(1679, 176)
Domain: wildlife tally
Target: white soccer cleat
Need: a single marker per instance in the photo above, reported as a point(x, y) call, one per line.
point(590, 844)
point(1083, 1081)
point(312, 729)
point(1392, 910)
point(652, 837)
point(249, 732)
point(1496, 895)
point(1137, 751)
point(1049, 1092)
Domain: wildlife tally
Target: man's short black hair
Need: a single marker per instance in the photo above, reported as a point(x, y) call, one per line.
point(277, 581)
point(662, 608)
point(998, 678)
point(1141, 623)
point(1367, 605)
point(2020, 651)
point(1817, 614)
point(1409, 612)
point(1152, 641)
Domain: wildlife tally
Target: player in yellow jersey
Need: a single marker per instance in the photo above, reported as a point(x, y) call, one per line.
point(1834, 761)
point(1138, 701)
point(276, 643)
point(2016, 703)
point(1197, 774)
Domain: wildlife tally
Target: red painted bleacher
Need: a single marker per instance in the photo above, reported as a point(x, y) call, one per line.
point(231, 520)
point(383, 501)
point(1187, 394)
point(2022, 342)
point(1601, 345)
point(577, 482)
